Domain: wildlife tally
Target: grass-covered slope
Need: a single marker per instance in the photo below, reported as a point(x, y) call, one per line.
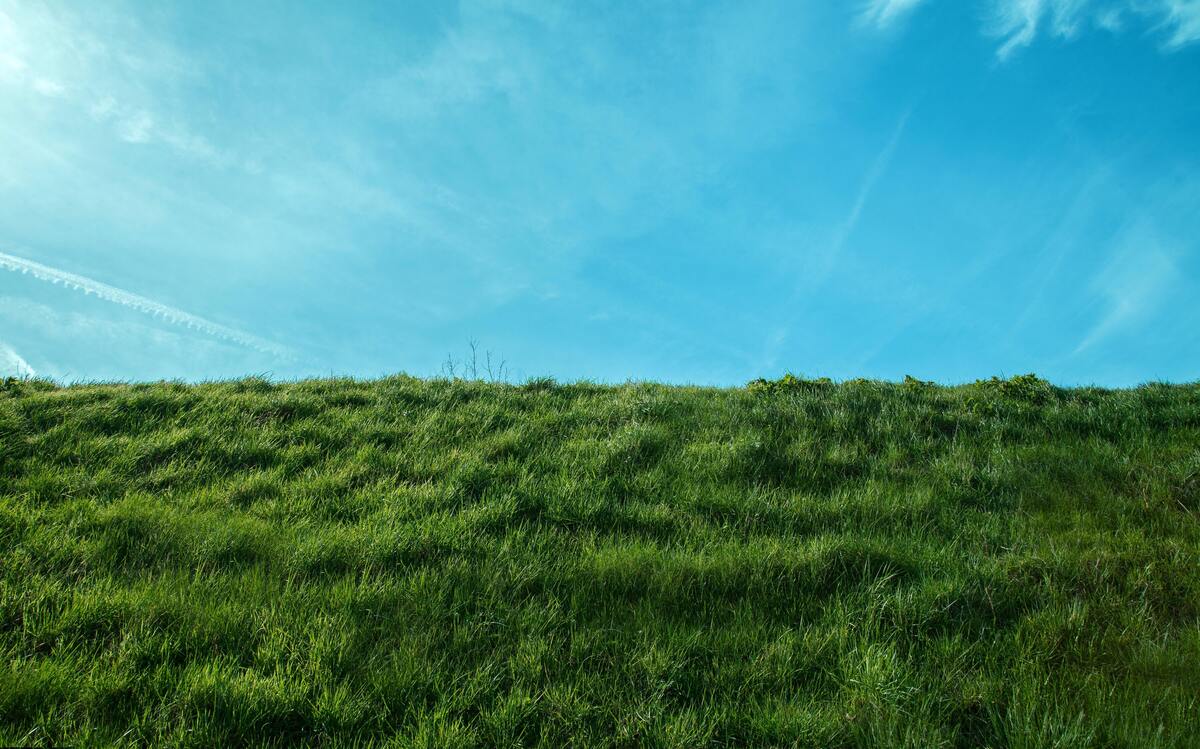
point(449, 563)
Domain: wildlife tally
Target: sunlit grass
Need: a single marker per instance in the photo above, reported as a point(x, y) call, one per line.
point(453, 563)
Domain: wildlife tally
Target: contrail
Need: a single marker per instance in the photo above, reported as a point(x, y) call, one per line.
point(11, 362)
point(139, 303)
point(878, 167)
point(846, 228)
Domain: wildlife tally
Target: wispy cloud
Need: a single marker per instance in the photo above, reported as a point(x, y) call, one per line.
point(829, 257)
point(58, 57)
point(884, 13)
point(1133, 284)
point(1060, 243)
point(49, 87)
point(1183, 19)
point(1018, 23)
point(832, 252)
point(141, 304)
point(73, 344)
point(137, 125)
point(11, 363)
point(878, 167)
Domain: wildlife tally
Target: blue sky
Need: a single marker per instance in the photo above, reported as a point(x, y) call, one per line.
point(692, 192)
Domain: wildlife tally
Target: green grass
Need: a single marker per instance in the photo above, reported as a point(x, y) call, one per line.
point(448, 563)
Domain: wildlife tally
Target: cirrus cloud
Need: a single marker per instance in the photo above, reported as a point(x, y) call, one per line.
point(883, 13)
point(1018, 23)
point(12, 364)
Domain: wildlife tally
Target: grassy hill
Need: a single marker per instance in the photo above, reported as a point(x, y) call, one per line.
point(453, 563)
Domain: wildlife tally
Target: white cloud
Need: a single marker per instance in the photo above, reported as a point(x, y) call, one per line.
point(467, 65)
point(11, 363)
point(136, 128)
point(11, 65)
point(142, 345)
point(1066, 16)
point(1110, 20)
point(1133, 285)
point(60, 56)
point(884, 13)
point(48, 87)
point(1183, 16)
point(141, 304)
point(103, 108)
point(1018, 23)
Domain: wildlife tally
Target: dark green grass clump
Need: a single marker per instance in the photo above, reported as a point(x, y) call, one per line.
point(452, 563)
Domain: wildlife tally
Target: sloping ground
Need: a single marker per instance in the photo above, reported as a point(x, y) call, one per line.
point(449, 563)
